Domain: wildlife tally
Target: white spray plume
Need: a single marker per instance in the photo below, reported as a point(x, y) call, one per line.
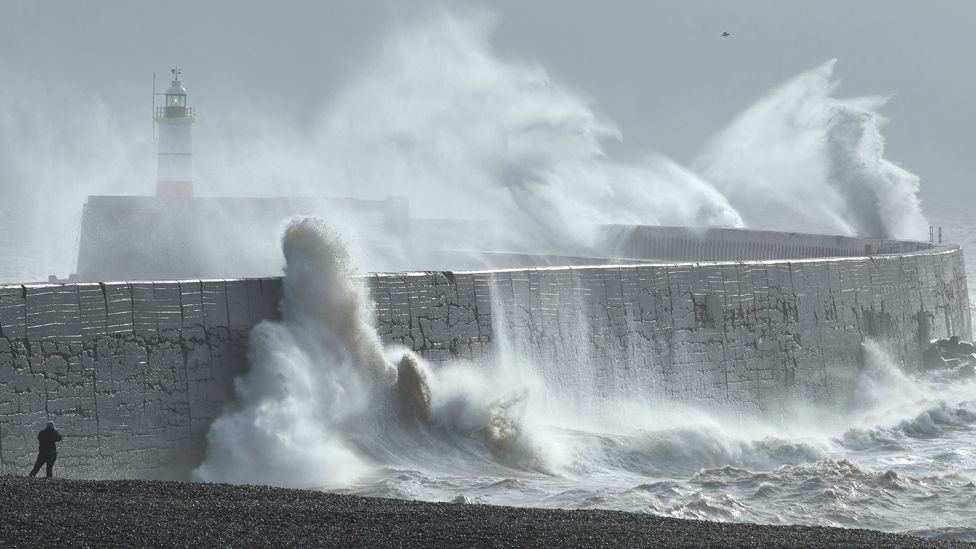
point(436, 114)
point(323, 404)
point(802, 156)
point(440, 110)
point(310, 379)
point(886, 394)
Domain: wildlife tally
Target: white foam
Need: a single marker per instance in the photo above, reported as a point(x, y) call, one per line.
point(801, 158)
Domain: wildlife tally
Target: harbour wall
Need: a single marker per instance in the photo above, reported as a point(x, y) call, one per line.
point(201, 237)
point(134, 373)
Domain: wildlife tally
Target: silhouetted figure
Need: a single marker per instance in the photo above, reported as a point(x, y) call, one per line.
point(47, 451)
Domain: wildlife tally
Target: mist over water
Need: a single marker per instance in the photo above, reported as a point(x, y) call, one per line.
point(55, 149)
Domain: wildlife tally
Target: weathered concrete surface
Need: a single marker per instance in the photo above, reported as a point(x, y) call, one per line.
point(746, 335)
point(134, 373)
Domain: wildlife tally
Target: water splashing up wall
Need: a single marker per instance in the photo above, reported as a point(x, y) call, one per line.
point(324, 404)
point(311, 377)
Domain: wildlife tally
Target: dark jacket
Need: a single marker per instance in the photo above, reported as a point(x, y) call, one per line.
point(48, 437)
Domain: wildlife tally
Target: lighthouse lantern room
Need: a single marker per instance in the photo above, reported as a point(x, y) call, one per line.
point(174, 175)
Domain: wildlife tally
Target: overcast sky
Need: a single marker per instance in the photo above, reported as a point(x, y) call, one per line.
point(660, 70)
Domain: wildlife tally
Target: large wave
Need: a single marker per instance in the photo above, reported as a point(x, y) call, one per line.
point(322, 389)
point(313, 378)
point(324, 405)
point(802, 158)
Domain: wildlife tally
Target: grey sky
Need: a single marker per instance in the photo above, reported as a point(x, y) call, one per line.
point(659, 70)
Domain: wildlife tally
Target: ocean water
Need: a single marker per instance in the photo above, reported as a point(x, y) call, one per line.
point(33, 247)
point(325, 406)
point(903, 460)
point(19, 261)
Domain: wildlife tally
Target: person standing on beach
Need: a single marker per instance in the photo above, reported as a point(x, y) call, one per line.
point(47, 450)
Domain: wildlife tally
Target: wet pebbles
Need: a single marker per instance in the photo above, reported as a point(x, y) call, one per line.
point(51, 513)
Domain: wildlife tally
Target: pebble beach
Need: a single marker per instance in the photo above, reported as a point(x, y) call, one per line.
point(127, 513)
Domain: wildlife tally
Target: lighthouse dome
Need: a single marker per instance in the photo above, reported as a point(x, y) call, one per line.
point(176, 88)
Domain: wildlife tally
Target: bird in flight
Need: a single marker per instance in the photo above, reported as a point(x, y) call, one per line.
point(726, 34)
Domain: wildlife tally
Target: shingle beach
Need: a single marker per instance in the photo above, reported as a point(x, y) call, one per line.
point(61, 513)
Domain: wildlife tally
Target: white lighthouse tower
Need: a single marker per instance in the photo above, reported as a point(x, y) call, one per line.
point(174, 174)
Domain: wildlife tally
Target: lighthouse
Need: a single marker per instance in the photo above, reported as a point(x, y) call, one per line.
point(174, 174)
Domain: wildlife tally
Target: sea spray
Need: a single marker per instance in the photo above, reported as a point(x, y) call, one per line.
point(801, 158)
point(312, 379)
point(437, 111)
point(324, 404)
point(893, 404)
point(58, 144)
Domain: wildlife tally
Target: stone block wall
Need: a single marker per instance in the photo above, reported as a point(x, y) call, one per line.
point(747, 335)
point(135, 372)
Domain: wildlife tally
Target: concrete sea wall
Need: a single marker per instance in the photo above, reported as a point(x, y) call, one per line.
point(134, 372)
point(199, 237)
point(717, 244)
